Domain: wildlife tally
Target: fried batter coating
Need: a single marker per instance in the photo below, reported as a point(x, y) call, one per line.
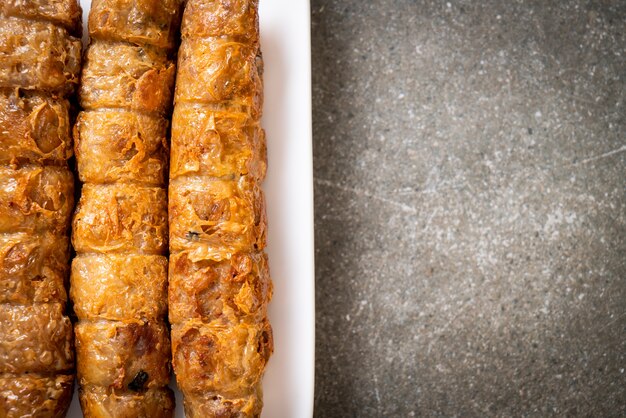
point(35, 199)
point(35, 339)
point(237, 19)
point(33, 268)
point(216, 143)
point(219, 291)
point(123, 355)
point(63, 12)
point(219, 70)
point(99, 402)
point(214, 219)
point(117, 287)
point(34, 128)
point(120, 217)
point(38, 55)
point(211, 358)
point(145, 22)
point(127, 76)
point(118, 145)
point(33, 395)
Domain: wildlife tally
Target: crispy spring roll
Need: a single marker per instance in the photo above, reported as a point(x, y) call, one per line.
point(39, 69)
point(219, 284)
point(119, 276)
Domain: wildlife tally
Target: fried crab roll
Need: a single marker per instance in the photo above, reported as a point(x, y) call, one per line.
point(39, 72)
point(219, 284)
point(120, 230)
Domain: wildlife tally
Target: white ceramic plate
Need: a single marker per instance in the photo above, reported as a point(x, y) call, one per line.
point(285, 41)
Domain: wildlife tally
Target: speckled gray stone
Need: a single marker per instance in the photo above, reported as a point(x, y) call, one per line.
point(470, 197)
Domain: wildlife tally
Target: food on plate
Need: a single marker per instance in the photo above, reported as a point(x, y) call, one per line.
point(219, 283)
point(119, 275)
point(39, 69)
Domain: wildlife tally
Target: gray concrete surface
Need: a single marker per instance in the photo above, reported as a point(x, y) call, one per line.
point(470, 197)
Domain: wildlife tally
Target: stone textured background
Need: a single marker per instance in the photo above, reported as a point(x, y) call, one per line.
point(470, 197)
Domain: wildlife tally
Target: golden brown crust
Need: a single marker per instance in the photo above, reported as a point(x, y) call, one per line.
point(34, 199)
point(216, 143)
point(237, 19)
point(219, 70)
point(33, 268)
point(144, 22)
point(125, 356)
point(38, 55)
point(122, 75)
point(116, 287)
point(222, 291)
point(214, 359)
point(39, 66)
point(34, 128)
point(219, 279)
point(99, 402)
point(35, 338)
point(214, 219)
point(119, 278)
point(35, 396)
point(63, 12)
point(217, 406)
point(117, 145)
point(120, 217)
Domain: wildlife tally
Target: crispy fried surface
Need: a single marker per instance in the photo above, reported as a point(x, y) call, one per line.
point(117, 145)
point(122, 75)
point(63, 12)
point(35, 396)
point(39, 67)
point(216, 143)
point(33, 268)
point(99, 402)
point(206, 405)
point(117, 287)
point(215, 359)
point(145, 22)
point(120, 217)
point(237, 19)
point(219, 70)
point(119, 277)
point(219, 291)
point(34, 128)
point(35, 338)
point(126, 356)
point(34, 199)
point(38, 55)
point(214, 219)
point(219, 279)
